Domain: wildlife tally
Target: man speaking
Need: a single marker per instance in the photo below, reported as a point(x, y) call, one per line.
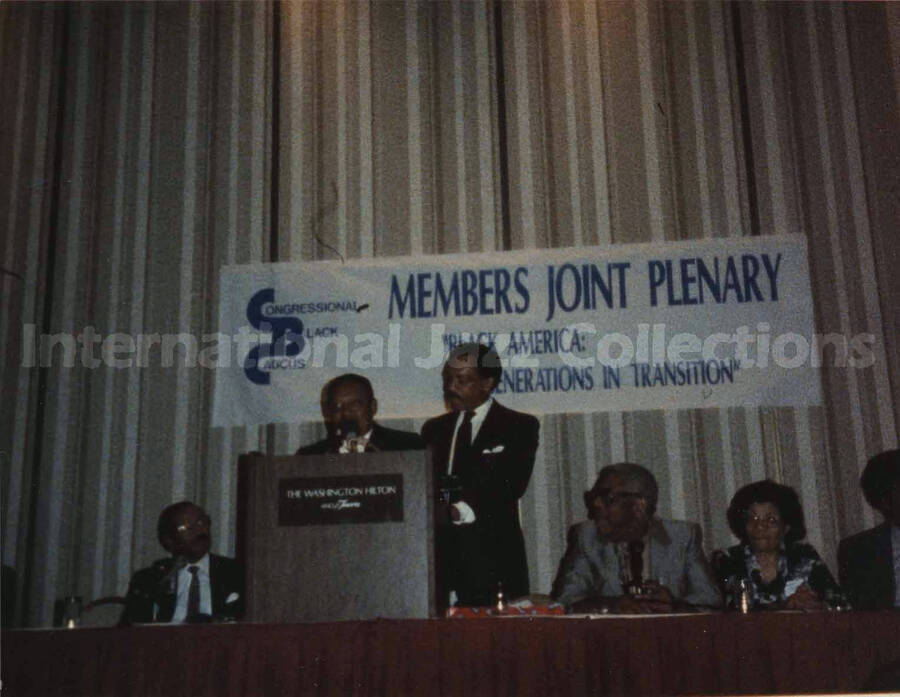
point(482, 454)
point(348, 407)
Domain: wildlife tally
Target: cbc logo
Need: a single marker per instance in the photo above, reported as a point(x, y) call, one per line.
point(287, 337)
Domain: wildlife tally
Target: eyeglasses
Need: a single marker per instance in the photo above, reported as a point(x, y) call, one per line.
point(611, 498)
point(199, 524)
point(769, 521)
point(349, 405)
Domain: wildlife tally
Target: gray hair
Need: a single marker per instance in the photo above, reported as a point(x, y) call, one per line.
point(633, 474)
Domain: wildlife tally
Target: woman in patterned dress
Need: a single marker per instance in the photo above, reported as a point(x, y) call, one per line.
point(779, 571)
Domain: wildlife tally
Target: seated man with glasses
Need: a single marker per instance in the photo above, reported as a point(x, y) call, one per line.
point(191, 585)
point(348, 408)
point(626, 560)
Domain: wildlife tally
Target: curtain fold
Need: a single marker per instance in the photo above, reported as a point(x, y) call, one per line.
point(140, 151)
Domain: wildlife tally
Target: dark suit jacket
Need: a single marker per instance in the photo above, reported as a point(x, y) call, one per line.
point(866, 568)
point(383, 438)
point(147, 591)
point(472, 559)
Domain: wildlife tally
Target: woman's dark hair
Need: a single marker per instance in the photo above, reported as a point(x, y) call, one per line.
point(782, 497)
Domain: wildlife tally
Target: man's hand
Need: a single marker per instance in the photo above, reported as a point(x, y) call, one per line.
point(630, 605)
point(654, 598)
point(454, 513)
point(653, 592)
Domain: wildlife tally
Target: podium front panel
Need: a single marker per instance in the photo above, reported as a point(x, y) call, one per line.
point(337, 537)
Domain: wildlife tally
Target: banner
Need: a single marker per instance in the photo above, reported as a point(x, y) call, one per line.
point(700, 323)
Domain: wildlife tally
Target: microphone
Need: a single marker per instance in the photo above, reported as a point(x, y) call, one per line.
point(635, 584)
point(169, 569)
point(346, 430)
point(636, 561)
point(165, 571)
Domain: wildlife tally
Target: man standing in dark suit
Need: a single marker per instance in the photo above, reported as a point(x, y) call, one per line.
point(348, 407)
point(482, 454)
point(869, 562)
point(190, 586)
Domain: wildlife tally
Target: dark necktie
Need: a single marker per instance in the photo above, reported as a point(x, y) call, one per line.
point(193, 604)
point(463, 444)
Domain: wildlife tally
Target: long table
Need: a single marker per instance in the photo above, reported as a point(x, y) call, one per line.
point(708, 653)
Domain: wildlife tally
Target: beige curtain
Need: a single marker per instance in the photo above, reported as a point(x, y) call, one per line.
point(145, 145)
point(136, 148)
point(461, 126)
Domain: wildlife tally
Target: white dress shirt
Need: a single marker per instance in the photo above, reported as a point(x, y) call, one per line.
point(466, 514)
point(183, 585)
point(355, 445)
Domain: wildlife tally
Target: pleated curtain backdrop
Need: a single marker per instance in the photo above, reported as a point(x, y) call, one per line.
point(137, 162)
point(146, 145)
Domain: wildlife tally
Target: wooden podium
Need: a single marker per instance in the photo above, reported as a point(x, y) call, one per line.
point(337, 537)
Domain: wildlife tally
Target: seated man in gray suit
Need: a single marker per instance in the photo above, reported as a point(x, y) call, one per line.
point(869, 562)
point(624, 559)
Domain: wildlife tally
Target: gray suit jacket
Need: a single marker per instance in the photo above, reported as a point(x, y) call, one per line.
point(590, 567)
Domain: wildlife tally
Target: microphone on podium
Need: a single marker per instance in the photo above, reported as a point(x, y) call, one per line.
point(347, 429)
point(347, 433)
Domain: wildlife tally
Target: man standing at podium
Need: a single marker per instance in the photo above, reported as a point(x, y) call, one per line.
point(348, 407)
point(482, 454)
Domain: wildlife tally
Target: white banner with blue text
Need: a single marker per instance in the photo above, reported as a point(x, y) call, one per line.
point(677, 325)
